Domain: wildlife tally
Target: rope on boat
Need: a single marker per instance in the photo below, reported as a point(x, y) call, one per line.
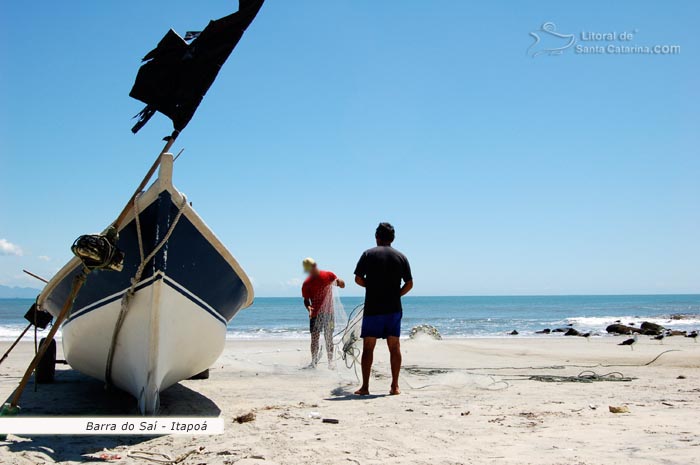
point(126, 298)
point(100, 251)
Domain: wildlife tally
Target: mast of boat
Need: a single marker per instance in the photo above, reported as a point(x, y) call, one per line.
point(170, 140)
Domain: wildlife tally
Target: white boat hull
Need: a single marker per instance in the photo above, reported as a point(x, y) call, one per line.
point(164, 338)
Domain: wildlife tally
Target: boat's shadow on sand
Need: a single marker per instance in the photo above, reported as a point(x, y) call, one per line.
point(76, 395)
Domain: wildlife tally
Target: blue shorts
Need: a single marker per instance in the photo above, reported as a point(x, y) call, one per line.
point(382, 326)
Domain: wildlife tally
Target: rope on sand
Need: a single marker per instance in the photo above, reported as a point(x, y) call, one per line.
point(586, 376)
point(644, 365)
point(415, 369)
point(157, 457)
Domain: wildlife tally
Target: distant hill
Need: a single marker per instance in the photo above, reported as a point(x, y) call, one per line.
point(7, 292)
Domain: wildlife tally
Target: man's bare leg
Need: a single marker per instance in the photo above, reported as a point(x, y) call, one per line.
point(368, 344)
point(394, 345)
point(328, 335)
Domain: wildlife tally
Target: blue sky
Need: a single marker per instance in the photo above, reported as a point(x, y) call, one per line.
point(503, 173)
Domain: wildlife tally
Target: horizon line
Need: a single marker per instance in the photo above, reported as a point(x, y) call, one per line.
point(508, 295)
point(455, 295)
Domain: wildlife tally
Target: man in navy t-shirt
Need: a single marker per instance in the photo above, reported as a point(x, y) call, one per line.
point(385, 274)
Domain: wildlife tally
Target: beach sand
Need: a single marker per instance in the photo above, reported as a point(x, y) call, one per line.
point(465, 401)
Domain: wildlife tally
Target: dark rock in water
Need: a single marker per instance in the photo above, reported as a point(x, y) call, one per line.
point(560, 330)
point(514, 333)
point(683, 316)
point(570, 325)
point(571, 332)
point(544, 331)
point(586, 335)
point(630, 324)
point(618, 321)
point(622, 329)
point(646, 326)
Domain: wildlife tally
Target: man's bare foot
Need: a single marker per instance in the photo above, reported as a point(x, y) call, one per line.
point(362, 392)
point(395, 391)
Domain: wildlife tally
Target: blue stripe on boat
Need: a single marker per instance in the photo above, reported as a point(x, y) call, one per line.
point(194, 299)
point(109, 300)
point(172, 284)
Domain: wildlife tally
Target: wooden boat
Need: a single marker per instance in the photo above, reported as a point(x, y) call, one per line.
point(146, 304)
point(174, 325)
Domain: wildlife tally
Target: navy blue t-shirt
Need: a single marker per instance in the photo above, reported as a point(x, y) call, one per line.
point(383, 268)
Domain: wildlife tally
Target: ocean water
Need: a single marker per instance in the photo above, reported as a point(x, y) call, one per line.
point(453, 316)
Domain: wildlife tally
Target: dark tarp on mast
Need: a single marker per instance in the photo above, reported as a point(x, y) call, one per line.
point(176, 75)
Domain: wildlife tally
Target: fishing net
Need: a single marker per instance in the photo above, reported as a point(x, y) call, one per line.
point(340, 316)
point(347, 339)
point(336, 333)
point(330, 316)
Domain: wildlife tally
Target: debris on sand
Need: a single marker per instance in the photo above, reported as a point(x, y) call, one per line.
point(245, 418)
point(620, 409)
